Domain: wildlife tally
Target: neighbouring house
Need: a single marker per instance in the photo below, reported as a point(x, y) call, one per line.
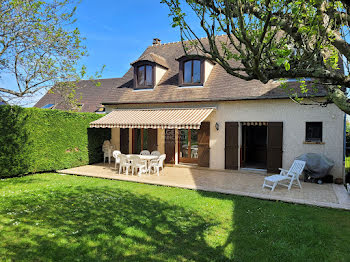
point(89, 95)
point(194, 111)
point(2, 101)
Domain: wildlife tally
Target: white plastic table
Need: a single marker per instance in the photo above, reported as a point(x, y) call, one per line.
point(148, 158)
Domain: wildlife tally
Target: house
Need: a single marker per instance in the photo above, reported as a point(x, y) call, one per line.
point(196, 113)
point(2, 101)
point(89, 95)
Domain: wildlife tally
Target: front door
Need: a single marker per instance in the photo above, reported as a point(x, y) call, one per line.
point(188, 146)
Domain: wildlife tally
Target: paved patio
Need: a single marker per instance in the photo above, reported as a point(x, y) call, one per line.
point(228, 182)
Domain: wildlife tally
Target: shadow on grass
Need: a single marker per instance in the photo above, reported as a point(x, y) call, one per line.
point(102, 224)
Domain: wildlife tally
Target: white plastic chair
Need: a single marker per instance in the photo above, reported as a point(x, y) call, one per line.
point(290, 175)
point(124, 164)
point(137, 165)
point(155, 153)
point(157, 164)
point(145, 153)
point(116, 154)
point(107, 149)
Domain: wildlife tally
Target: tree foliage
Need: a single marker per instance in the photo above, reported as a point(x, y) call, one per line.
point(273, 39)
point(39, 45)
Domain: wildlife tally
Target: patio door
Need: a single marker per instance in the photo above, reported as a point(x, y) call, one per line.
point(144, 139)
point(188, 146)
point(170, 146)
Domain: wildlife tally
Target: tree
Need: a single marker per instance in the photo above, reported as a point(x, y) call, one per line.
point(39, 45)
point(273, 39)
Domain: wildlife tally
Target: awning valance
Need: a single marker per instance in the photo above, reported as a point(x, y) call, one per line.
point(170, 118)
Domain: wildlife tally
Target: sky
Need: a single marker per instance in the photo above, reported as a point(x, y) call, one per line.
point(116, 32)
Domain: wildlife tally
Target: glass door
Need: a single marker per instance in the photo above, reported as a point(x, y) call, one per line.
point(188, 145)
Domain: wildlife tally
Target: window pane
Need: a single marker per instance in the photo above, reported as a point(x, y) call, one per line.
point(194, 143)
point(187, 71)
point(314, 131)
point(196, 71)
point(149, 81)
point(145, 139)
point(141, 75)
point(183, 143)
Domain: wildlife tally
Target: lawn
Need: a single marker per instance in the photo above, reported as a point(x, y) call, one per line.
point(49, 217)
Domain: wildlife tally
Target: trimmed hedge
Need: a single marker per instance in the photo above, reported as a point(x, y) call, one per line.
point(35, 140)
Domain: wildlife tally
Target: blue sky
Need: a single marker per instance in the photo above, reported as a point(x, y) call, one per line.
point(117, 32)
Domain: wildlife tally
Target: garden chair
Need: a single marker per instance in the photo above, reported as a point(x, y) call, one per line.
point(157, 164)
point(124, 164)
point(155, 153)
point(137, 165)
point(290, 176)
point(116, 154)
point(107, 148)
point(145, 153)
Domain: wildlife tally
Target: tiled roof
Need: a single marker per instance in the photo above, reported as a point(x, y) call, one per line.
point(219, 86)
point(89, 95)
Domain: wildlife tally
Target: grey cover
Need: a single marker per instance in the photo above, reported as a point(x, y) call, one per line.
point(317, 165)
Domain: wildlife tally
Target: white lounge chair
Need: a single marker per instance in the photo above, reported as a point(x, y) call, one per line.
point(138, 165)
point(290, 175)
point(155, 153)
point(116, 154)
point(124, 164)
point(145, 153)
point(157, 164)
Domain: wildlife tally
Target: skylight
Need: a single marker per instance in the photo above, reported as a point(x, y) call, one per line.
point(48, 106)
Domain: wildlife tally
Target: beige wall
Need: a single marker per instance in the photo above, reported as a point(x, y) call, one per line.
point(291, 114)
point(115, 139)
point(294, 117)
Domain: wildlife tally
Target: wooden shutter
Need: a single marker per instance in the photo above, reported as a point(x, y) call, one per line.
point(170, 146)
point(152, 139)
point(124, 140)
point(231, 145)
point(274, 146)
point(203, 144)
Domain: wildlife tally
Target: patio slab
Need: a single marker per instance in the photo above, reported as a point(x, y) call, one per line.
point(228, 182)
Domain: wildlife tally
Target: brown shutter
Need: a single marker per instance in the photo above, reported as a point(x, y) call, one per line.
point(274, 146)
point(152, 139)
point(203, 144)
point(124, 140)
point(231, 145)
point(170, 146)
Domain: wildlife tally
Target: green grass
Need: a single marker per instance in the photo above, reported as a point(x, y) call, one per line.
point(49, 217)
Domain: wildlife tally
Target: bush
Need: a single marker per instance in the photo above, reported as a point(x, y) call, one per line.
point(35, 140)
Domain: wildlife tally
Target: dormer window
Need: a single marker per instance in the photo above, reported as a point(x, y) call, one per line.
point(191, 71)
point(149, 70)
point(144, 76)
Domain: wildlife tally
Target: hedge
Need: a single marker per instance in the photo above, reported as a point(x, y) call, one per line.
point(36, 140)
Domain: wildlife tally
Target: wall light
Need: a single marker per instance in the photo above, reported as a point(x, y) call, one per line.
point(217, 126)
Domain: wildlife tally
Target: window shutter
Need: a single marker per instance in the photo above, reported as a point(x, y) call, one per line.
point(203, 144)
point(274, 146)
point(231, 145)
point(124, 140)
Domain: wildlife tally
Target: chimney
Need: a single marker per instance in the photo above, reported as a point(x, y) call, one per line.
point(156, 41)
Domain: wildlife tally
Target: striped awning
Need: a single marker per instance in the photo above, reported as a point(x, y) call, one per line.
point(170, 118)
